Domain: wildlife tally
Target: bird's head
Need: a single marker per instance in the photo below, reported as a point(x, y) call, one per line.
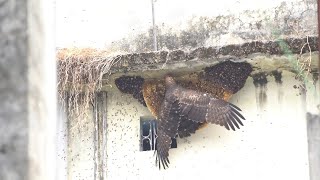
point(169, 80)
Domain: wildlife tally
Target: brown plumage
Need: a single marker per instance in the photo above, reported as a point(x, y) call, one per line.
point(220, 81)
point(181, 104)
point(192, 101)
point(154, 91)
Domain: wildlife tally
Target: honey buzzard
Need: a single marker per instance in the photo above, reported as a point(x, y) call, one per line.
point(181, 104)
point(188, 102)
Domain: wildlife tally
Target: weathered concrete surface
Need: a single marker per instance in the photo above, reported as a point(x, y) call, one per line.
point(81, 146)
point(62, 143)
point(13, 90)
point(251, 51)
point(313, 125)
point(86, 149)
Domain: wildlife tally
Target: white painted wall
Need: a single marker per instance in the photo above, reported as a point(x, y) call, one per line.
point(62, 143)
point(80, 156)
point(271, 145)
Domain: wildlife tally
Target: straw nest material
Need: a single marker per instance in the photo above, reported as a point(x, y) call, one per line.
point(80, 73)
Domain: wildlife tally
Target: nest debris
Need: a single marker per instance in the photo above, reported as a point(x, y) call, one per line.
point(80, 73)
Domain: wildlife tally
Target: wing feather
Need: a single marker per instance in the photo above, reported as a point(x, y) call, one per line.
point(187, 127)
point(167, 128)
point(226, 125)
point(233, 120)
point(236, 118)
point(163, 145)
point(202, 107)
point(183, 105)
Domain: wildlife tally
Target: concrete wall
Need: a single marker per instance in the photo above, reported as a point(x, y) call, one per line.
point(62, 143)
point(271, 145)
point(80, 153)
point(27, 90)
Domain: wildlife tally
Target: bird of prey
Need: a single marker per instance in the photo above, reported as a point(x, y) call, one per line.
point(181, 104)
point(201, 99)
point(220, 81)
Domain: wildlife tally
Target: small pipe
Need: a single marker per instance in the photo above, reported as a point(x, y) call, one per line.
point(155, 47)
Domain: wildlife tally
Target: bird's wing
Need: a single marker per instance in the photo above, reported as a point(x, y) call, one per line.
point(188, 127)
point(201, 107)
point(167, 128)
point(162, 153)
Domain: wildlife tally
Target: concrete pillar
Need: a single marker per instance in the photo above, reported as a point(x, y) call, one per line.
point(313, 125)
point(311, 105)
point(27, 90)
point(13, 90)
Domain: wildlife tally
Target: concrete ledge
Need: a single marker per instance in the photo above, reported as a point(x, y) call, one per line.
point(156, 60)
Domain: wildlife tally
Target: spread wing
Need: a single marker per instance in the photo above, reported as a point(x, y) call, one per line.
point(167, 128)
point(202, 107)
point(187, 127)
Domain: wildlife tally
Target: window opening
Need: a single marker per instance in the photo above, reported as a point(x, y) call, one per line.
point(148, 135)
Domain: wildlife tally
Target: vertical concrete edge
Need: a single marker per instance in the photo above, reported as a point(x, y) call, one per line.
point(42, 108)
point(313, 128)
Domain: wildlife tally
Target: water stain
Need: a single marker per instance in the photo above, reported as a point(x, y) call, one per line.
point(260, 82)
point(303, 95)
point(278, 78)
point(260, 79)
point(315, 77)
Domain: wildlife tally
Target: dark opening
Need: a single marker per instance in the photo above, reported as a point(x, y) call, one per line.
point(148, 135)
